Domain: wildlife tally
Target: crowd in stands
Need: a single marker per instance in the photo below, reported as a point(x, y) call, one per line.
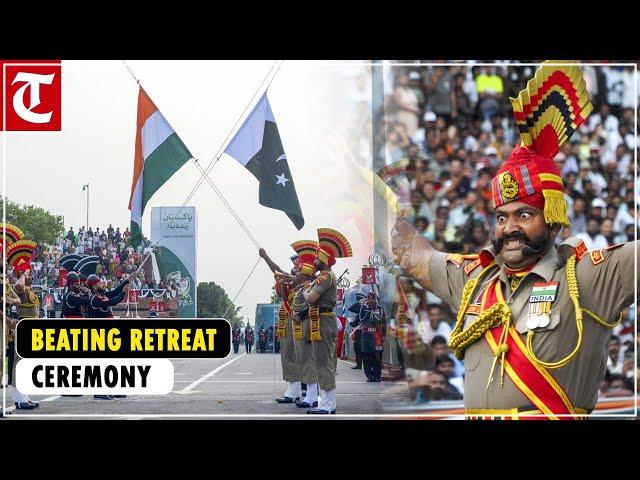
point(117, 258)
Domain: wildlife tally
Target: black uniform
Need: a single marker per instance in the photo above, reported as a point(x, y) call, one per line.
point(100, 303)
point(248, 339)
point(235, 339)
point(73, 303)
point(371, 357)
point(262, 339)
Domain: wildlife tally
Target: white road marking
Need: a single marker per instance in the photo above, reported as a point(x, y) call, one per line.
point(192, 385)
point(50, 399)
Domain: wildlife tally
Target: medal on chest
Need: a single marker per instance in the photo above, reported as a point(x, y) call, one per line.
point(542, 296)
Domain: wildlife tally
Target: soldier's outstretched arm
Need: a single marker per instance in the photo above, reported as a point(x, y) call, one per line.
point(413, 251)
point(272, 265)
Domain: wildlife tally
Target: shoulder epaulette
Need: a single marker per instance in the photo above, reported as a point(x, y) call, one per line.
point(597, 256)
point(458, 259)
point(580, 250)
point(472, 266)
point(322, 277)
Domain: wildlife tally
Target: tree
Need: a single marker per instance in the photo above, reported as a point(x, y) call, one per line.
point(274, 296)
point(39, 225)
point(213, 302)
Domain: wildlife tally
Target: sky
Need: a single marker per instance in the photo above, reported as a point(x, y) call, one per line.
point(202, 100)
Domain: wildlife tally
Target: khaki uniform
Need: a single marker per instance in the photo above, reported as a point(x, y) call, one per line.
point(606, 287)
point(303, 349)
point(29, 308)
point(324, 350)
point(290, 367)
point(7, 292)
point(29, 304)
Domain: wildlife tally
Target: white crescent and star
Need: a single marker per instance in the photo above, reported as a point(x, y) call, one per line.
point(282, 180)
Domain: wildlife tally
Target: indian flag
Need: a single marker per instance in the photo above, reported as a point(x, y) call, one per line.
point(543, 292)
point(159, 154)
point(544, 288)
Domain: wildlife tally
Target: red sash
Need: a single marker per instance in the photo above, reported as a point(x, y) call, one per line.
point(534, 381)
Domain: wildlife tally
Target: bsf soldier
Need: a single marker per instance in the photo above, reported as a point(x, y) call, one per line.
point(74, 298)
point(7, 324)
point(101, 300)
point(533, 320)
point(321, 299)
point(302, 330)
point(286, 290)
point(18, 256)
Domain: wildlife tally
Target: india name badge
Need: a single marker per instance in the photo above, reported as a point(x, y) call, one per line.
point(542, 296)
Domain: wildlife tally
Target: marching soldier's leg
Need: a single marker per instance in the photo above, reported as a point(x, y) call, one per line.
point(324, 351)
point(20, 400)
point(294, 364)
point(356, 349)
point(366, 366)
point(377, 370)
point(290, 370)
point(308, 372)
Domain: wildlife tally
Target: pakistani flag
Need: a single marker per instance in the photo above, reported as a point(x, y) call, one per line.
point(159, 154)
point(257, 147)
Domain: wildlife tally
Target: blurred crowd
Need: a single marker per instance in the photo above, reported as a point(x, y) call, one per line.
point(441, 136)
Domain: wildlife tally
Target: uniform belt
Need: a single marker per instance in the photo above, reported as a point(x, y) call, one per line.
point(368, 329)
point(325, 310)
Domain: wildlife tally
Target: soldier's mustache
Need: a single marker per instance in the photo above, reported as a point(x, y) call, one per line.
point(532, 246)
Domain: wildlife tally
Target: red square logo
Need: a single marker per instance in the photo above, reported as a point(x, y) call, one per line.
point(369, 275)
point(32, 96)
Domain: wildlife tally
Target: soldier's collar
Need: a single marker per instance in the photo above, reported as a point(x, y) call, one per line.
point(545, 267)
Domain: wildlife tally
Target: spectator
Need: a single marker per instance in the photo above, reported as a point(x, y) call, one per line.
point(439, 92)
point(592, 238)
point(489, 86)
point(433, 385)
point(437, 325)
point(406, 103)
point(615, 360)
point(439, 347)
point(446, 365)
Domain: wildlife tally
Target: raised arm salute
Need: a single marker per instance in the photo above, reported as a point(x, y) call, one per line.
point(533, 320)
